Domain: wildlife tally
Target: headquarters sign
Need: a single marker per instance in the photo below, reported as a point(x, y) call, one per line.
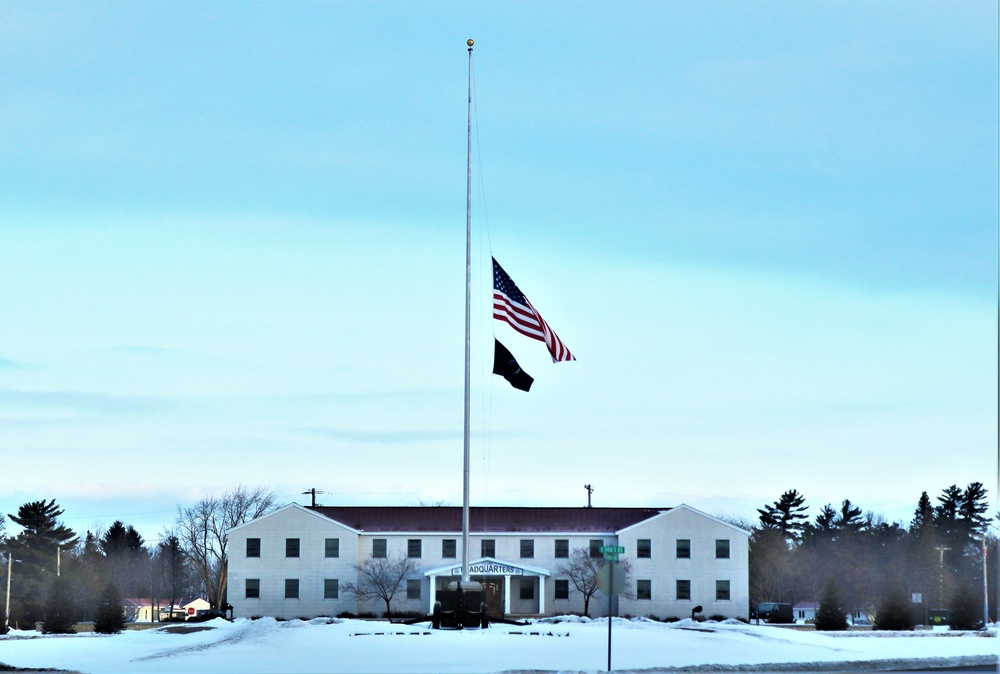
point(489, 569)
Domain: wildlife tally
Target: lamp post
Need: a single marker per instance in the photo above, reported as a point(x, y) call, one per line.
point(10, 566)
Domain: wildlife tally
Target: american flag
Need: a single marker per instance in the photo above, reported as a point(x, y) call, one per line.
point(510, 305)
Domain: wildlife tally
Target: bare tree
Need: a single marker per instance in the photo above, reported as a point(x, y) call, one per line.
point(582, 569)
point(381, 578)
point(203, 530)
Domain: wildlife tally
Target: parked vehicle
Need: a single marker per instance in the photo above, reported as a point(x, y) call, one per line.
point(206, 614)
point(774, 612)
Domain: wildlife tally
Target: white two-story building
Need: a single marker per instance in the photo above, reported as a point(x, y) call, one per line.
point(294, 562)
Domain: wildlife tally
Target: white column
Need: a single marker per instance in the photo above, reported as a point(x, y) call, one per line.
point(541, 595)
point(434, 582)
point(506, 594)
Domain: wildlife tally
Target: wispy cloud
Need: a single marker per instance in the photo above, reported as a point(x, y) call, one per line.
point(382, 437)
point(84, 401)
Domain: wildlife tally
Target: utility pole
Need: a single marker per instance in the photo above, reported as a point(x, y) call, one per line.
point(313, 493)
point(986, 594)
point(10, 566)
point(941, 550)
point(590, 490)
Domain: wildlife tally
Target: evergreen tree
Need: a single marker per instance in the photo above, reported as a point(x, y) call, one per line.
point(59, 609)
point(37, 546)
point(91, 574)
point(849, 519)
point(127, 559)
point(787, 515)
point(894, 611)
point(110, 615)
point(965, 610)
point(923, 516)
point(831, 615)
point(971, 509)
point(825, 522)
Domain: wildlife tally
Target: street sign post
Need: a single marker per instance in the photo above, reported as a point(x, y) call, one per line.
point(612, 584)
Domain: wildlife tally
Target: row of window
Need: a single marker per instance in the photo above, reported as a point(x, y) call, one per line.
point(488, 548)
point(331, 588)
point(643, 589)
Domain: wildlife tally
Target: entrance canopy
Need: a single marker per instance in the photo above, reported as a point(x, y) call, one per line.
point(485, 567)
point(489, 566)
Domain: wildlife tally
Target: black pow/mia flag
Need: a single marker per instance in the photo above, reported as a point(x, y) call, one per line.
point(506, 366)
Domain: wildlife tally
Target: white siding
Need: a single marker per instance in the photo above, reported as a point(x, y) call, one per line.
point(703, 569)
point(272, 567)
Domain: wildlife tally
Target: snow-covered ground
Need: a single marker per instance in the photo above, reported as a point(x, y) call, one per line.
point(571, 645)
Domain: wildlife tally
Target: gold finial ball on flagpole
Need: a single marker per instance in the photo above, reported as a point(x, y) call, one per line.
point(470, 42)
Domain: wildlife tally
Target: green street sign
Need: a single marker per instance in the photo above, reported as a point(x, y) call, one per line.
point(612, 550)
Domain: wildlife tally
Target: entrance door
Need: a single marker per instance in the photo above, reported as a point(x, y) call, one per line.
point(494, 596)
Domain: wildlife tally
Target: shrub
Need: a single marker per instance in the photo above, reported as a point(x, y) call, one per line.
point(965, 612)
point(894, 611)
point(59, 610)
point(348, 614)
point(110, 616)
point(831, 615)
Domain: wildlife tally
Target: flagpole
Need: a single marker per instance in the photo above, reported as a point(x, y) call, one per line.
point(468, 331)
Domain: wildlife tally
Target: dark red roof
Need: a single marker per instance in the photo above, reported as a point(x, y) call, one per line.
point(493, 520)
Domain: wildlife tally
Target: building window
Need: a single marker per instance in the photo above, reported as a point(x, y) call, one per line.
point(253, 588)
point(643, 589)
point(643, 548)
point(332, 547)
point(413, 588)
point(595, 548)
point(378, 548)
point(448, 548)
point(291, 547)
point(253, 547)
point(683, 590)
point(291, 588)
point(331, 588)
point(722, 548)
point(527, 589)
point(562, 589)
point(488, 548)
point(683, 548)
point(527, 548)
point(722, 590)
point(562, 548)
point(413, 548)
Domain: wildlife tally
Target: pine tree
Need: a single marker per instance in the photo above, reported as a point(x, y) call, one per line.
point(787, 515)
point(37, 546)
point(59, 609)
point(965, 612)
point(110, 617)
point(127, 558)
point(894, 611)
point(849, 519)
point(831, 615)
point(90, 569)
point(971, 509)
point(923, 516)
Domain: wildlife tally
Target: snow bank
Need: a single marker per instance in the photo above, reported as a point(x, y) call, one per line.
point(565, 644)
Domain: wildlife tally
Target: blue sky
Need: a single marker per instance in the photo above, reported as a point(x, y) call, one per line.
point(232, 251)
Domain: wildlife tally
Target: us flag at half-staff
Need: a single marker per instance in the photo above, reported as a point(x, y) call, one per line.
point(510, 305)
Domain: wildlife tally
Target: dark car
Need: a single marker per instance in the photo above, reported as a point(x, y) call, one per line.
point(206, 614)
point(774, 612)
